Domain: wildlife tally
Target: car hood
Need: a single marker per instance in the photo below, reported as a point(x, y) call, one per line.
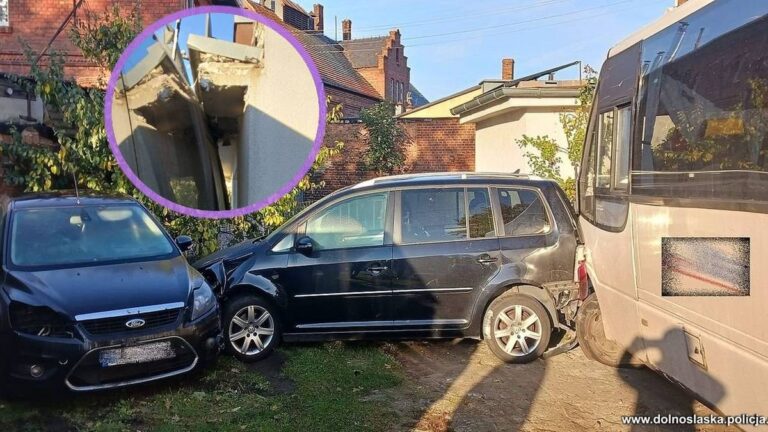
point(239, 253)
point(82, 290)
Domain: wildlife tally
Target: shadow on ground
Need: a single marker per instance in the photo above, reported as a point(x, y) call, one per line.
point(461, 386)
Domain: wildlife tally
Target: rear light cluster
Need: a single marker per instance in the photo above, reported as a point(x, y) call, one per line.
point(580, 273)
point(40, 321)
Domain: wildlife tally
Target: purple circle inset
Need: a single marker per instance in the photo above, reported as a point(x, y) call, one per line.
point(148, 32)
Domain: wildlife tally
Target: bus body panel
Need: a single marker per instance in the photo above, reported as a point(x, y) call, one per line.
point(673, 200)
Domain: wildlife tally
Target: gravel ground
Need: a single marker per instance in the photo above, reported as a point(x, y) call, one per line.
point(461, 386)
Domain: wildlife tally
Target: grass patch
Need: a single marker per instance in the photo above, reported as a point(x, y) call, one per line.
point(337, 387)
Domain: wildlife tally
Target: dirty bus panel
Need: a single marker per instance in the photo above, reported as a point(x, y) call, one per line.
point(674, 257)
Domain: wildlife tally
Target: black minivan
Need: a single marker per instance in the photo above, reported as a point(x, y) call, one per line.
point(95, 294)
point(430, 255)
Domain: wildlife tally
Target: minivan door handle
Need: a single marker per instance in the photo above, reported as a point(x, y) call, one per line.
point(377, 269)
point(487, 259)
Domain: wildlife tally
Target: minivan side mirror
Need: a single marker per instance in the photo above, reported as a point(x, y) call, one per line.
point(304, 245)
point(184, 242)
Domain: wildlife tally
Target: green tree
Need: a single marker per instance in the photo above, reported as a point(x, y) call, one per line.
point(83, 147)
point(544, 153)
point(385, 139)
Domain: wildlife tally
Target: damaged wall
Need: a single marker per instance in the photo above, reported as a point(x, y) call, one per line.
point(255, 107)
point(162, 134)
point(280, 120)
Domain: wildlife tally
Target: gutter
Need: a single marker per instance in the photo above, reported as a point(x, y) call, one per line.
point(508, 92)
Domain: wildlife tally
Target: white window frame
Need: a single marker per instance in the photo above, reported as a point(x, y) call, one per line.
point(5, 11)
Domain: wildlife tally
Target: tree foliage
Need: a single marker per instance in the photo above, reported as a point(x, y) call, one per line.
point(83, 148)
point(544, 154)
point(385, 139)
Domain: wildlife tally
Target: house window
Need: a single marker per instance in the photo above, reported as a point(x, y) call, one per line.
point(4, 20)
point(392, 89)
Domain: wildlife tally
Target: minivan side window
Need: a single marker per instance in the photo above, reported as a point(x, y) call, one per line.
point(355, 222)
point(284, 245)
point(523, 212)
point(480, 213)
point(432, 215)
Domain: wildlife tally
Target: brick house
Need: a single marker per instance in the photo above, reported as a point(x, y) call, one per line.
point(357, 73)
point(44, 25)
point(352, 77)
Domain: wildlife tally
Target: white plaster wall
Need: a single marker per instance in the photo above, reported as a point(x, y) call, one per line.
point(496, 147)
point(279, 123)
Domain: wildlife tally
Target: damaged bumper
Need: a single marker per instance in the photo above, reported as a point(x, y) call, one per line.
point(90, 362)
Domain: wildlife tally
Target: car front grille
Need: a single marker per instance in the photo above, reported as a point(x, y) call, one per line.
point(90, 374)
point(118, 324)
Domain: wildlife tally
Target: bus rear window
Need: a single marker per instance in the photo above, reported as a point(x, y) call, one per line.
point(703, 131)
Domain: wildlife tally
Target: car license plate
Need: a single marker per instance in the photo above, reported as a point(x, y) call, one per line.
point(136, 354)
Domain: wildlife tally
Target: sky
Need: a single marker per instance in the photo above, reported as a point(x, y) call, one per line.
point(454, 44)
point(221, 28)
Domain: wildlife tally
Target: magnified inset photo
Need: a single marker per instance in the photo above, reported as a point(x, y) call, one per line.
point(215, 114)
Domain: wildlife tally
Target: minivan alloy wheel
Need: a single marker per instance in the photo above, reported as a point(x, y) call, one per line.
point(517, 330)
point(251, 329)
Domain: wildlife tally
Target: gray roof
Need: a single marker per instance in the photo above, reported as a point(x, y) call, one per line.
point(335, 68)
point(506, 89)
point(417, 99)
point(363, 53)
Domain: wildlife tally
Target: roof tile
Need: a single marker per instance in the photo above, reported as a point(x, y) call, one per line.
point(333, 65)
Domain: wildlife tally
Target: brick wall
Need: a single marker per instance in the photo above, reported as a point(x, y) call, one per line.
point(36, 22)
point(434, 145)
point(351, 102)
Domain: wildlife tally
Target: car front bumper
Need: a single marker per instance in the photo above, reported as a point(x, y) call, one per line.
point(34, 362)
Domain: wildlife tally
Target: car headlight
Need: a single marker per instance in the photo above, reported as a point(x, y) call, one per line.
point(39, 321)
point(203, 300)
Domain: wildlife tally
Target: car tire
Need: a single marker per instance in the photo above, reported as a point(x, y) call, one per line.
point(592, 339)
point(249, 334)
point(517, 328)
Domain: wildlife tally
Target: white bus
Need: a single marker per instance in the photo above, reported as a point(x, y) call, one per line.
point(673, 204)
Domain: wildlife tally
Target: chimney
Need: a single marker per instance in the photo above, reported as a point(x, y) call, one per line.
point(346, 30)
point(679, 2)
point(507, 69)
point(318, 17)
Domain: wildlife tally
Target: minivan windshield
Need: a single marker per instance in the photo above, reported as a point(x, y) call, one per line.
point(85, 234)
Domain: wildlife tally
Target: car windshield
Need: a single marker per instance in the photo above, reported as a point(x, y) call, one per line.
point(56, 236)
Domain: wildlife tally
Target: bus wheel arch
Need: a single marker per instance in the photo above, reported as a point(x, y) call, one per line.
point(591, 336)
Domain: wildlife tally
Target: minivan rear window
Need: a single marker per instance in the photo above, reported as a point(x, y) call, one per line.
point(523, 212)
point(480, 214)
point(432, 215)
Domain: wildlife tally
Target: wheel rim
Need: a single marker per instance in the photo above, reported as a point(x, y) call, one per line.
point(517, 330)
point(251, 330)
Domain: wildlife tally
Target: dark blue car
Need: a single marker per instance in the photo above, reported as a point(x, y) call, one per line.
point(95, 295)
point(434, 255)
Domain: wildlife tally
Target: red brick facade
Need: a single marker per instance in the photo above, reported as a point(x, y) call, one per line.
point(391, 77)
point(351, 103)
point(36, 22)
point(434, 145)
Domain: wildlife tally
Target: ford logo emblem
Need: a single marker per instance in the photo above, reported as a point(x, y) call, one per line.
point(135, 323)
